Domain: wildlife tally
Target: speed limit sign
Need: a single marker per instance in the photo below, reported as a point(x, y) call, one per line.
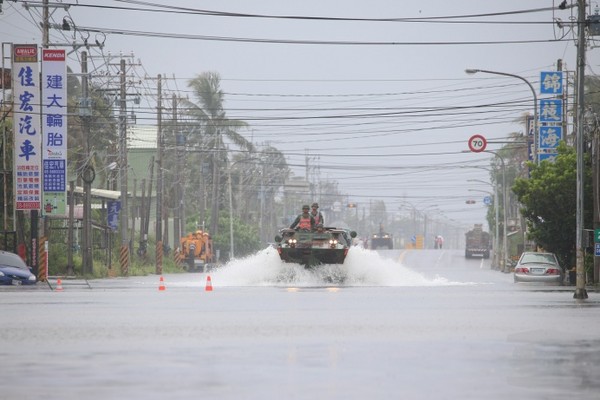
point(477, 143)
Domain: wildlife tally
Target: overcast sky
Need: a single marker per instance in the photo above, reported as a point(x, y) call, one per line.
point(368, 90)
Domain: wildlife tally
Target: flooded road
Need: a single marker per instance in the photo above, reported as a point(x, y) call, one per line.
point(391, 324)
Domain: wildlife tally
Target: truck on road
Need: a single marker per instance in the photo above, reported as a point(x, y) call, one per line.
point(478, 242)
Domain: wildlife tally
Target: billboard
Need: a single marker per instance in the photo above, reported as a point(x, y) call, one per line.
point(54, 129)
point(28, 135)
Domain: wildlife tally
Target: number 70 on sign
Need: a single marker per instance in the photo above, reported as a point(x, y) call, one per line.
point(477, 143)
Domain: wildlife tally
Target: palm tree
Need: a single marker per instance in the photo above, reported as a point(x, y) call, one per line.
point(214, 127)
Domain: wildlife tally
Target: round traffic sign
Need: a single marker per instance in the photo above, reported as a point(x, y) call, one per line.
point(477, 143)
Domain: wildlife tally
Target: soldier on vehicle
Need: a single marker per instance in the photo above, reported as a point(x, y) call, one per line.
point(320, 228)
point(305, 221)
point(317, 214)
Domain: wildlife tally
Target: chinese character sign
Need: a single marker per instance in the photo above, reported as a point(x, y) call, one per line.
point(551, 110)
point(28, 135)
point(550, 136)
point(114, 208)
point(548, 157)
point(530, 137)
point(551, 82)
point(54, 128)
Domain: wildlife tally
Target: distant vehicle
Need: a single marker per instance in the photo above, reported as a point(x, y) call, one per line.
point(478, 242)
point(538, 267)
point(197, 251)
point(382, 239)
point(314, 248)
point(14, 271)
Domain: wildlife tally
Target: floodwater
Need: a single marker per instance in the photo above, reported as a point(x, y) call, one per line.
point(361, 268)
point(388, 324)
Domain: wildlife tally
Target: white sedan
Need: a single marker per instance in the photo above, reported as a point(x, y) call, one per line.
point(538, 267)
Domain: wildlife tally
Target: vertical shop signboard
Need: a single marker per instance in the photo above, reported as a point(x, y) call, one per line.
point(28, 135)
point(54, 128)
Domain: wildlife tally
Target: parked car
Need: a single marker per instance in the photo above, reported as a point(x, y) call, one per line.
point(14, 271)
point(538, 267)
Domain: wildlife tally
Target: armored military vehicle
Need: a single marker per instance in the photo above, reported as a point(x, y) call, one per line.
point(330, 246)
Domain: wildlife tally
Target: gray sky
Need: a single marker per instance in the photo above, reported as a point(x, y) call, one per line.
point(375, 107)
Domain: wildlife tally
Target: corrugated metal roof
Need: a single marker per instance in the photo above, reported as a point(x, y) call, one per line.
point(101, 193)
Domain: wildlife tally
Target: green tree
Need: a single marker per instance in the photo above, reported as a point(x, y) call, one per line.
point(213, 126)
point(549, 205)
point(257, 179)
point(99, 147)
point(6, 160)
point(245, 236)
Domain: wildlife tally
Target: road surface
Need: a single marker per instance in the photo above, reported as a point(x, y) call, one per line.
point(388, 324)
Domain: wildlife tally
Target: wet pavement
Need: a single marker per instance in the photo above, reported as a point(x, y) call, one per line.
point(413, 325)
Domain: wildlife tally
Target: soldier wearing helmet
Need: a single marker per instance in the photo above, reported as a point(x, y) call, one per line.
point(316, 214)
point(304, 221)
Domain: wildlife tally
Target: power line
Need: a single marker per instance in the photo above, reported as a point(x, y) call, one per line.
point(127, 32)
point(158, 7)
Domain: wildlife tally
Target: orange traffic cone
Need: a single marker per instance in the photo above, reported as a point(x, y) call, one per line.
point(208, 284)
point(161, 284)
point(59, 287)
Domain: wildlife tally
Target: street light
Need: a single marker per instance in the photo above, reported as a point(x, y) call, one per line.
point(535, 102)
point(415, 212)
point(505, 202)
point(496, 211)
point(424, 214)
point(425, 218)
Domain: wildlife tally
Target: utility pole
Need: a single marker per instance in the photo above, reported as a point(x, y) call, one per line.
point(262, 204)
point(594, 30)
point(34, 215)
point(596, 193)
point(159, 181)
point(45, 24)
point(70, 268)
point(146, 210)
point(178, 142)
point(580, 291)
point(182, 160)
point(124, 254)
point(84, 114)
point(214, 214)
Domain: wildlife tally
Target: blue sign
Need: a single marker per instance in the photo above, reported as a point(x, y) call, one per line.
point(114, 207)
point(551, 82)
point(550, 136)
point(551, 110)
point(597, 249)
point(547, 156)
point(55, 172)
point(487, 200)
